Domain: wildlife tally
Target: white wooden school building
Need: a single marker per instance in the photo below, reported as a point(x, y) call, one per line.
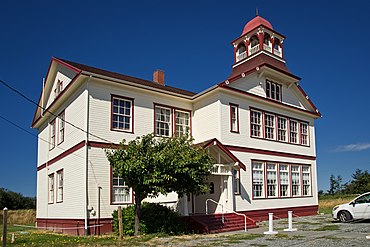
point(258, 123)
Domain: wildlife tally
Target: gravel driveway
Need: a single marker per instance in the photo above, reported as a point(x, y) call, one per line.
point(311, 231)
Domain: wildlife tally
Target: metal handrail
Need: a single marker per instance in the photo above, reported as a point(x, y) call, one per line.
point(231, 211)
point(222, 208)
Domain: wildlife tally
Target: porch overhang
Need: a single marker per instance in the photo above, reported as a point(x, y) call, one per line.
point(216, 143)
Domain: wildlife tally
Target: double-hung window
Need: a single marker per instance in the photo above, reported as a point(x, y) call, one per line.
point(296, 181)
point(271, 180)
point(61, 126)
point(122, 114)
point(163, 124)
point(51, 188)
point(293, 131)
point(234, 118)
point(60, 186)
point(269, 126)
point(169, 120)
point(273, 90)
point(121, 193)
point(182, 123)
point(284, 180)
point(304, 133)
point(281, 129)
point(256, 123)
point(236, 179)
point(306, 180)
point(52, 134)
point(258, 180)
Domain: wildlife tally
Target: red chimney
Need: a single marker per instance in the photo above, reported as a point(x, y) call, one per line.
point(158, 76)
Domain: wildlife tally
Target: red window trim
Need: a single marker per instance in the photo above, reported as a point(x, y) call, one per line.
point(58, 172)
point(53, 144)
point(237, 117)
point(239, 185)
point(276, 115)
point(308, 134)
point(64, 132)
point(276, 84)
point(286, 128)
point(111, 191)
point(132, 113)
point(173, 118)
point(289, 164)
point(49, 176)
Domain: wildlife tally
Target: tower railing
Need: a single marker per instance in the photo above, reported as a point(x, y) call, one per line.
point(267, 48)
point(241, 56)
point(254, 49)
point(277, 52)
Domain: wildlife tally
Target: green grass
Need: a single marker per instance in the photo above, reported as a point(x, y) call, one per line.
point(26, 237)
point(327, 228)
point(289, 237)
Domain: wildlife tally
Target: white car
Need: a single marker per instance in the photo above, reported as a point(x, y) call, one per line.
point(359, 208)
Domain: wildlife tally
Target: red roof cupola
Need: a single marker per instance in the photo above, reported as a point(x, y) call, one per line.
point(256, 22)
point(259, 44)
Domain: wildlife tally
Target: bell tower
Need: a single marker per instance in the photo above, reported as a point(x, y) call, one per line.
point(258, 37)
point(258, 46)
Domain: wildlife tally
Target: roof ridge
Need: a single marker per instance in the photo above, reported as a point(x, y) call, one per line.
point(117, 75)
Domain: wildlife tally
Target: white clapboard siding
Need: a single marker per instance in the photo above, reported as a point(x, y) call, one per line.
point(257, 86)
point(245, 200)
point(144, 100)
point(244, 139)
point(74, 188)
point(206, 120)
point(63, 74)
point(75, 113)
point(251, 84)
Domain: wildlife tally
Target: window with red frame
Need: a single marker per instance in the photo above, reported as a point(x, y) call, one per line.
point(234, 118)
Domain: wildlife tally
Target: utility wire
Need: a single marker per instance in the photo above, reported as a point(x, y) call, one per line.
point(63, 149)
point(43, 108)
point(29, 132)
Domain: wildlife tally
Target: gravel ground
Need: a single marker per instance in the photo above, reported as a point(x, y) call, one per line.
point(311, 231)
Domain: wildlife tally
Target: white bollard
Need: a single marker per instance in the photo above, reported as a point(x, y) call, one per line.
point(271, 225)
point(290, 223)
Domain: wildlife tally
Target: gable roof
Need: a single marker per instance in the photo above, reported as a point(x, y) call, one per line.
point(259, 61)
point(90, 69)
point(215, 142)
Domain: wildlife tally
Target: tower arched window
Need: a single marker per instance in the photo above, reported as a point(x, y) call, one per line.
point(277, 48)
point(266, 42)
point(276, 44)
point(254, 47)
point(254, 41)
point(266, 39)
point(240, 53)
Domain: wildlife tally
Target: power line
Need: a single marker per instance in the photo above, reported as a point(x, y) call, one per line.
point(42, 139)
point(44, 109)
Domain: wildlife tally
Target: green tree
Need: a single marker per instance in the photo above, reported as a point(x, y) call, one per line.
point(359, 184)
point(13, 200)
point(152, 165)
point(335, 185)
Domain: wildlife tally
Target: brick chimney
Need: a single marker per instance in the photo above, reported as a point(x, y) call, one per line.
point(158, 76)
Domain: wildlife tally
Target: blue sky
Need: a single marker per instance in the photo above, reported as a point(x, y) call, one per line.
point(326, 45)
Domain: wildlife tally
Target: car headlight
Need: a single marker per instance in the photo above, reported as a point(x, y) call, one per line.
point(335, 208)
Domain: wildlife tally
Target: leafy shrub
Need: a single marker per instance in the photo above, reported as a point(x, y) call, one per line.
point(155, 218)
